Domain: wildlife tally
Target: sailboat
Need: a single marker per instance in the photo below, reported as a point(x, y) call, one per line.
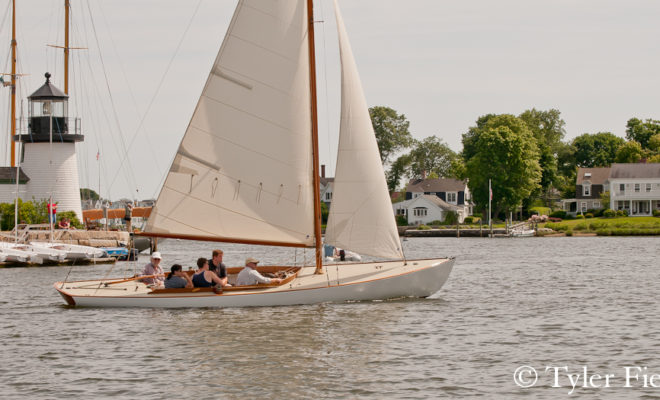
point(247, 171)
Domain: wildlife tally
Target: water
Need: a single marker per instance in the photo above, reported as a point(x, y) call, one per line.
point(509, 302)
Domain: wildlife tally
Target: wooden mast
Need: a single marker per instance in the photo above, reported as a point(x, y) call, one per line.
point(315, 138)
point(13, 84)
point(66, 46)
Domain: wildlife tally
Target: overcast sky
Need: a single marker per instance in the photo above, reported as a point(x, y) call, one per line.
point(441, 63)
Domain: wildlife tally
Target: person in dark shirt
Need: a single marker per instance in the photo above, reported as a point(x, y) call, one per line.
point(203, 277)
point(216, 265)
point(177, 279)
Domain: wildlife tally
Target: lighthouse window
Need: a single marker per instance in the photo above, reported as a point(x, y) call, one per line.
point(45, 109)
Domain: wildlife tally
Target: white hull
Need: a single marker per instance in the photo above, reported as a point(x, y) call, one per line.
point(339, 283)
point(523, 233)
point(19, 255)
point(73, 251)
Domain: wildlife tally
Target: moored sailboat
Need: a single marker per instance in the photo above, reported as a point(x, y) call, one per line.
point(246, 171)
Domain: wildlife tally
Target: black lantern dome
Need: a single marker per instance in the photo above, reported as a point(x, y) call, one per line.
point(48, 109)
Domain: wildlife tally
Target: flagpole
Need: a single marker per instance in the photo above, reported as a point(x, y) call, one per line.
point(490, 198)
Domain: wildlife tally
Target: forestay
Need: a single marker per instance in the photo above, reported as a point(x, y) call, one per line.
point(243, 168)
point(361, 217)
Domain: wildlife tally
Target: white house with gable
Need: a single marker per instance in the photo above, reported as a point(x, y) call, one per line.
point(426, 208)
point(635, 188)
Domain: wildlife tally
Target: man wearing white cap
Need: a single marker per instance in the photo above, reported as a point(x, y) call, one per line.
point(154, 268)
point(250, 276)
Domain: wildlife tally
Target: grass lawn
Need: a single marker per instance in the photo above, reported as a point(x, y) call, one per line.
point(609, 226)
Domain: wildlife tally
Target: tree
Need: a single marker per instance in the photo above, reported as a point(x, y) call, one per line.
point(397, 171)
point(391, 131)
point(548, 130)
point(86, 193)
point(630, 152)
point(597, 150)
point(430, 155)
point(505, 151)
point(642, 131)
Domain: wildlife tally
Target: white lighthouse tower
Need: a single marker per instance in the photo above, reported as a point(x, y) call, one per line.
point(49, 150)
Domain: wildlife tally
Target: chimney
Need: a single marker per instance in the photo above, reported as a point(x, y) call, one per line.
point(424, 174)
point(323, 171)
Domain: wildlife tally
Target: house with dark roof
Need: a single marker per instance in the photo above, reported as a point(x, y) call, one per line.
point(8, 184)
point(430, 199)
point(635, 188)
point(326, 184)
point(589, 185)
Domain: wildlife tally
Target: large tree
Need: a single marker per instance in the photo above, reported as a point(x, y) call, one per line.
point(630, 152)
point(548, 129)
point(504, 150)
point(430, 155)
point(641, 131)
point(391, 131)
point(596, 150)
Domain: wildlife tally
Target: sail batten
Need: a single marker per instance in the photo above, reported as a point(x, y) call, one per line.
point(242, 172)
point(361, 217)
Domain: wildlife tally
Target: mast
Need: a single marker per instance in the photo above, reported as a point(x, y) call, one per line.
point(13, 84)
point(66, 46)
point(315, 138)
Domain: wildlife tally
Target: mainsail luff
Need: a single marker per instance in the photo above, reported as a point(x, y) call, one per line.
point(242, 170)
point(361, 218)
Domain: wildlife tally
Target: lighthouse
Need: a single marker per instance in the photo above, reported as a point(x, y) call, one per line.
point(49, 149)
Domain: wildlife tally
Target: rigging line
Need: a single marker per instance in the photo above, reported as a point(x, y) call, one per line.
point(162, 80)
point(5, 18)
point(132, 95)
point(130, 173)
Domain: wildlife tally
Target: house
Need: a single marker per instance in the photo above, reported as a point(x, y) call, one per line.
point(635, 188)
point(426, 208)
point(326, 185)
point(430, 199)
point(452, 191)
point(589, 185)
point(8, 184)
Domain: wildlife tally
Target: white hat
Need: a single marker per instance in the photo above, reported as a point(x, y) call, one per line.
point(251, 260)
point(156, 254)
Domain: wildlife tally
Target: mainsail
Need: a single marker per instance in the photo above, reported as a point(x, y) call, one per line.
point(242, 170)
point(361, 217)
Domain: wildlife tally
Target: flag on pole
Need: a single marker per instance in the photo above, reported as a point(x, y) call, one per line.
point(490, 193)
point(98, 154)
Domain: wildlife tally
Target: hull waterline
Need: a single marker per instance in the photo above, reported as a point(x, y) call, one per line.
point(340, 283)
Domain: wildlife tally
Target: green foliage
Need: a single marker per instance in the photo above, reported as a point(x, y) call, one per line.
point(654, 143)
point(397, 171)
point(579, 216)
point(29, 212)
point(558, 214)
point(451, 218)
point(656, 213)
point(582, 226)
point(423, 227)
point(621, 213)
point(540, 210)
point(431, 156)
point(609, 213)
point(391, 131)
point(548, 130)
point(435, 222)
point(597, 150)
point(401, 220)
point(605, 199)
point(324, 213)
point(642, 131)
point(503, 149)
point(88, 194)
point(468, 220)
point(630, 152)
point(588, 215)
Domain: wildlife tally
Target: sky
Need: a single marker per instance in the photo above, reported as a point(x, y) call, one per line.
point(441, 63)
